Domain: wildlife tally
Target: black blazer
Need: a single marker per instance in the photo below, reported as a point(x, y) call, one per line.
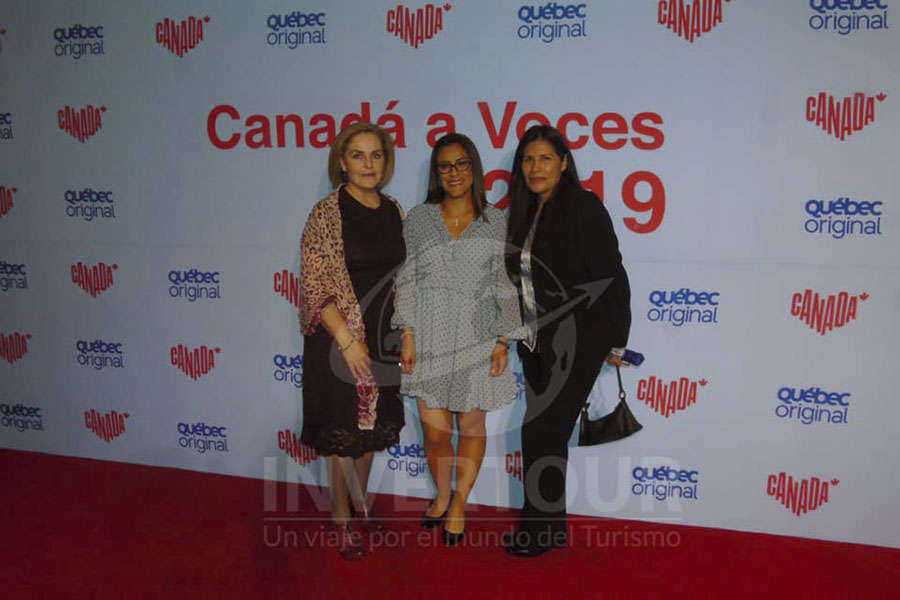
point(575, 252)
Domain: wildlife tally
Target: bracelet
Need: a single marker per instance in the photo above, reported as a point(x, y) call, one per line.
point(350, 343)
point(502, 343)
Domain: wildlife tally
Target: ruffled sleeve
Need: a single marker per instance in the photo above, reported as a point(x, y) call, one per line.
point(405, 297)
point(318, 286)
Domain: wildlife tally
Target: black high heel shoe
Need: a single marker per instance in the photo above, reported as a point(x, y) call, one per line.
point(452, 539)
point(432, 522)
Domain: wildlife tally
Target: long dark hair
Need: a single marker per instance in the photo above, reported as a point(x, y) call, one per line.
point(522, 201)
point(436, 192)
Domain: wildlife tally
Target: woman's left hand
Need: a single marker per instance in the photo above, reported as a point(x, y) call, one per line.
point(498, 360)
point(613, 360)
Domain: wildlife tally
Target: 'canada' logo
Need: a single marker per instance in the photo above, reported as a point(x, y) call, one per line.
point(824, 313)
point(687, 19)
point(108, 426)
point(93, 280)
point(180, 37)
point(287, 285)
point(799, 495)
point(193, 362)
point(13, 346)
point(6, 199)
point(841, 117)
point(667, 398)
point(82, 124)
point(290, 443)
point(416, 26)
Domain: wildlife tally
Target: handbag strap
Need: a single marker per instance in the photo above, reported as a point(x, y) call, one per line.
point(621, 389)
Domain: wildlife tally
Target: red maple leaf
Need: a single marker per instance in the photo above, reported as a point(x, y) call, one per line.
point(206, 19)
point(835, 481)
point(703, 382)
point(2, 32)
point(881, 96)
point(864, 296)
point(447, 6)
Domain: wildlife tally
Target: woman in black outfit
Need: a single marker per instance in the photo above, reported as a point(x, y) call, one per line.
point(564, 257)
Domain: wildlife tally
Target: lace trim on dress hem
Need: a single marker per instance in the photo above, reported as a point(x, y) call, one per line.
point(342, 442)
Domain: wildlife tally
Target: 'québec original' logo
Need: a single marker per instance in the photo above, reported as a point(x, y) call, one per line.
point(416, 25)
point(77, 41)
point(513, 465)
point(202, 437)
point(552, 21)
point(824, 313)
point(93, 279)
point(683, 306)
point(288, 369)
point(193, 362)
point(193, 284)
point(90, 204)
point(13, 346)
point(799, 495)
point(180, 37)
point(107, 426)
point(99, 354)
point(292, 30)
point(289, 442)
point(812, 405)
point(667, 398)
point(665, 482)
point(841, 117)
point(846, 16)
point(6, 199)
point(6, 123)
point(21, 417)
point(843, 217)
point(407, 459)
point(82, 124)
point(688, 19)
point(287, 285)
point(13, 276)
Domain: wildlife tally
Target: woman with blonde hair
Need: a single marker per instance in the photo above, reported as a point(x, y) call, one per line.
point(352, 245)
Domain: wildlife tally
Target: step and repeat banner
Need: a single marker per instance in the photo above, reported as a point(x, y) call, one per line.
point(159, 161)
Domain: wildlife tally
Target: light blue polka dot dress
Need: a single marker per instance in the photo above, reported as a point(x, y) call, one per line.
point(457, 297)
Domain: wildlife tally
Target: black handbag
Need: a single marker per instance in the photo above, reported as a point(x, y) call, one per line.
point(617, 425)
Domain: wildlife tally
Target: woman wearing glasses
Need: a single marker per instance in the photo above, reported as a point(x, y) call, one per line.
point(457, 309)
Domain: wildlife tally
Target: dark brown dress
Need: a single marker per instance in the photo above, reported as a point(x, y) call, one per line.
point(373, 250)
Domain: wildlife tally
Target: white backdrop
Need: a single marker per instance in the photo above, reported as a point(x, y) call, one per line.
point(722, 122)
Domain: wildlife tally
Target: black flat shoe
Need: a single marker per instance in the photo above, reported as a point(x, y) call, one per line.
point(452, 539)
point(432, 522)
point(527, 551)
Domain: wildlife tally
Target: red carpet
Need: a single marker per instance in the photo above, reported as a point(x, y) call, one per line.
point(77, 528)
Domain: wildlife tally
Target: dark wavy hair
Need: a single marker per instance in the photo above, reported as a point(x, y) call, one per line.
point(436, 192)
point(522, 201)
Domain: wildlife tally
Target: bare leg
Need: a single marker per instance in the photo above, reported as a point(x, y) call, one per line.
point(340, 496)
point(362, 467)
point(472, 440)
point(437, 424)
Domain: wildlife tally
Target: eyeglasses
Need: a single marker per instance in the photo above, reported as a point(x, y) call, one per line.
point(462, 165)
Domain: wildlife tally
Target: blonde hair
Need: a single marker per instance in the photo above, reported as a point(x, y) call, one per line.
point(339, 147)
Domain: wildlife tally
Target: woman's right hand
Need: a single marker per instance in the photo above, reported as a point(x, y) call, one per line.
point(356, 355)
point(408, 353)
